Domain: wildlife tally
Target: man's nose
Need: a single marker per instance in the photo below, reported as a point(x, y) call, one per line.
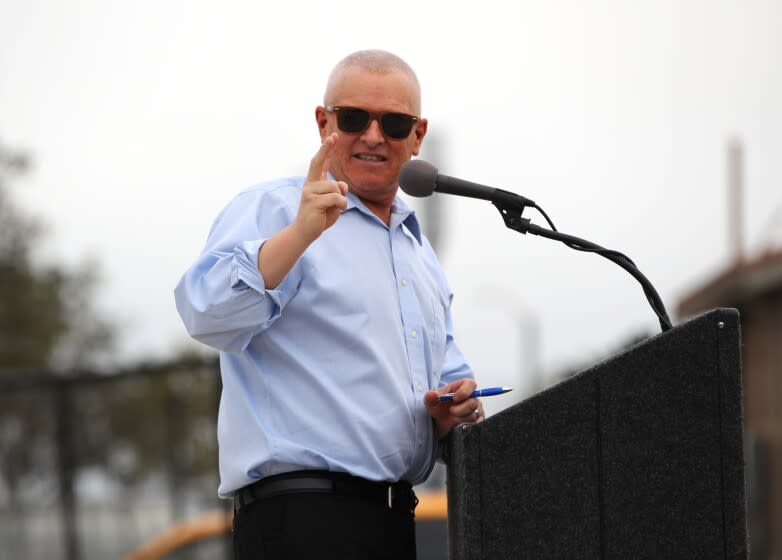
point(373, 135)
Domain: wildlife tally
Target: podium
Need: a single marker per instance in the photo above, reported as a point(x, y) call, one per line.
point(639, 456)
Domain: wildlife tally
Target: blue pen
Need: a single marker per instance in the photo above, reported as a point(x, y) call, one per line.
point(487, 392)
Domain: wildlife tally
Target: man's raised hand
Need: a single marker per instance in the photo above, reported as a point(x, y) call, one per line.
point(322, 200)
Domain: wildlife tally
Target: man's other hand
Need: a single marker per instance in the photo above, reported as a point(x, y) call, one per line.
point(463, 407)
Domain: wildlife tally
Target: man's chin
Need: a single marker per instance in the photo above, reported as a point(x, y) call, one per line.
point(371, 183)
point(375, 192)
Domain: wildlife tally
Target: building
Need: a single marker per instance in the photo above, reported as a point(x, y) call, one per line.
point(754, 287)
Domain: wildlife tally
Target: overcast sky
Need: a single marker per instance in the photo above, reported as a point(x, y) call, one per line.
point(145, 118)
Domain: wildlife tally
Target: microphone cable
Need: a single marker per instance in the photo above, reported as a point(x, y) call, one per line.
point(655, 302)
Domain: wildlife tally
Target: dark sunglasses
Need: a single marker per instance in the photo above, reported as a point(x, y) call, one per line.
point(355, 121)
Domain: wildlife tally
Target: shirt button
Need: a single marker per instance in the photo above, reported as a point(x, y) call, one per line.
point(404, 282)
point(414, 334)
point(420, 388)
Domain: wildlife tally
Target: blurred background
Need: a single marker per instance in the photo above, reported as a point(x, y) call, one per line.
point(654, 129)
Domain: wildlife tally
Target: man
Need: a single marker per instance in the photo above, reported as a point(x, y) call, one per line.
point(332, 317)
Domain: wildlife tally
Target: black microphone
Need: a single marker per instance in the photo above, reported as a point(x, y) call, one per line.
point(420, 178)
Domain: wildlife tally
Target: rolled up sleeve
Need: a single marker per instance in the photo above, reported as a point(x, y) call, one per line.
point(222, 298)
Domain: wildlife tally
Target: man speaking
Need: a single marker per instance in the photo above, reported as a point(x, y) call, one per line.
point(332, 317)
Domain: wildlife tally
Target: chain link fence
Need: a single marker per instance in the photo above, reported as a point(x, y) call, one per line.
point(94, 464)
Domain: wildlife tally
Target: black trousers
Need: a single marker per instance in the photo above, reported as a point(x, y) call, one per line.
point(324, 527)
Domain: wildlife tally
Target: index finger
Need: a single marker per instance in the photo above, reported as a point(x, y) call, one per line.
point(320, 164)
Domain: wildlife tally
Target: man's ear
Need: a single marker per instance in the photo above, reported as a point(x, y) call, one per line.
point(322, 119)
point(420, 132)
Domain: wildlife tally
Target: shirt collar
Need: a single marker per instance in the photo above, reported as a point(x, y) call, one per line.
point(403, 213)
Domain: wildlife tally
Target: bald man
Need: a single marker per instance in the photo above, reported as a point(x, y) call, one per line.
point(332, 317)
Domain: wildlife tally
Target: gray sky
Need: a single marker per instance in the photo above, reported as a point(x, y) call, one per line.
point(144, 118)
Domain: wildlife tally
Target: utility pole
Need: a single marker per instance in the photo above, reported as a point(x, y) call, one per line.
point(736, 199)
point(433, 209)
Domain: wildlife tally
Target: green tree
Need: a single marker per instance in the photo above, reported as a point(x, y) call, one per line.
point(46, 319)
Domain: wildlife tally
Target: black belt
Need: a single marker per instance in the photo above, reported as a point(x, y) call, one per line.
point(398, 496)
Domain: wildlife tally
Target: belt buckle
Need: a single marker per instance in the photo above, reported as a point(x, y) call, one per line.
point(390, 497)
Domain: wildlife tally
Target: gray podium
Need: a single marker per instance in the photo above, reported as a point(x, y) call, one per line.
point(639, 456)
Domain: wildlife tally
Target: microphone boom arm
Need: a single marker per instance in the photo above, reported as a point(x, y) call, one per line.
point(511, 214)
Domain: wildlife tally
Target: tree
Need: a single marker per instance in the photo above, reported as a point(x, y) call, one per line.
point(46, 319)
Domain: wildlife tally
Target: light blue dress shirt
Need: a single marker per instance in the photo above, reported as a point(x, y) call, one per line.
point(328, 370)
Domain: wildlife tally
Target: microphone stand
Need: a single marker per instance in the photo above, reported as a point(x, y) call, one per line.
point(511, 213)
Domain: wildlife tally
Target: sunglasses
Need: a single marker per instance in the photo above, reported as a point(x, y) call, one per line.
point(355, 121)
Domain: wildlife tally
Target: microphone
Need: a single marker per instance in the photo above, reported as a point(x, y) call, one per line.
point(420, 178)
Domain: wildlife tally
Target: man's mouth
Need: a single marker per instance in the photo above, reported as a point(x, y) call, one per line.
point(369, 157)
